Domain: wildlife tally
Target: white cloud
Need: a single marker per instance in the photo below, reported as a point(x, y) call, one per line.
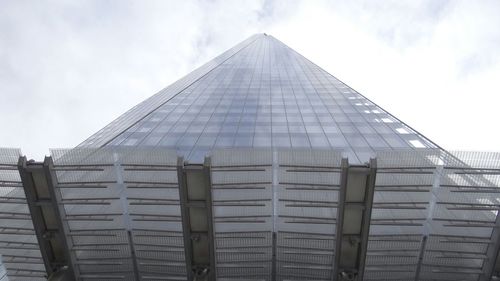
point(69, 68)
point(434, 66)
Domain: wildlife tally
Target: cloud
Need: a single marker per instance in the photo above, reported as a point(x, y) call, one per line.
point(435, 71)
point(69, 68)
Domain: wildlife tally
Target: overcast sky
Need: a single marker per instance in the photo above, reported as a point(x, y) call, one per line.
point(68, 68)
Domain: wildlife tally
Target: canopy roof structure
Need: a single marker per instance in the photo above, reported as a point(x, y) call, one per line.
point(259, 165)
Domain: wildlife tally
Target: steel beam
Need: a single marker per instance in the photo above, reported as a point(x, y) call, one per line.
point(340, 217)
point(39, 186)
point(195, 191)
point(367, 215)
point(423, 244)
point(357, 186)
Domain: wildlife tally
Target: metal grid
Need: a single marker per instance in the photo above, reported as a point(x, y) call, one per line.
point(306, 214)
point(399, 213)
point(243, 214)
point(122, 209)
point(18, 243)
point(464, 220)
point(434, 216)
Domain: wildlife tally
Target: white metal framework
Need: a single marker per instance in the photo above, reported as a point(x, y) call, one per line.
point(118, 214)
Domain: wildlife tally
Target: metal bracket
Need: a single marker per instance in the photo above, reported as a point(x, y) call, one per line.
point(38, 181)
point(357, 185)
point(195, 190)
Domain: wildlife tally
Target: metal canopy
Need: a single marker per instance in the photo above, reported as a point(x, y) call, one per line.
point(117, 214)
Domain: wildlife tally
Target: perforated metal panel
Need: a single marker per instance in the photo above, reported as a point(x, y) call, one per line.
point(399, 213)
point(275, 213)
point(122, 209)
point(434, 216)
point(308, 184)
point(242, 196)
point(464, 219)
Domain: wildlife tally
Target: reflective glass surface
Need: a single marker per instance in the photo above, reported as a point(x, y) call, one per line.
point(264, 94)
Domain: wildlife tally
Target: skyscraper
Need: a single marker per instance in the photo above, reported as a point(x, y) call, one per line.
point(259, 93)
point(259, 165)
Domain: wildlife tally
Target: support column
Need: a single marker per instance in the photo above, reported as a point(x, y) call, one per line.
point(357, 186)
point(195, 190)
point(38, 181)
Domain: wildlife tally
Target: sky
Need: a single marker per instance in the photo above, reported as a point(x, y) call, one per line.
point(68, 68)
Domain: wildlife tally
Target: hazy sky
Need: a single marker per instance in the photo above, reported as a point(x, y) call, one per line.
point(68, 68)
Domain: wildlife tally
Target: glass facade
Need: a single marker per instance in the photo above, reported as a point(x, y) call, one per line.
point(261, 94)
